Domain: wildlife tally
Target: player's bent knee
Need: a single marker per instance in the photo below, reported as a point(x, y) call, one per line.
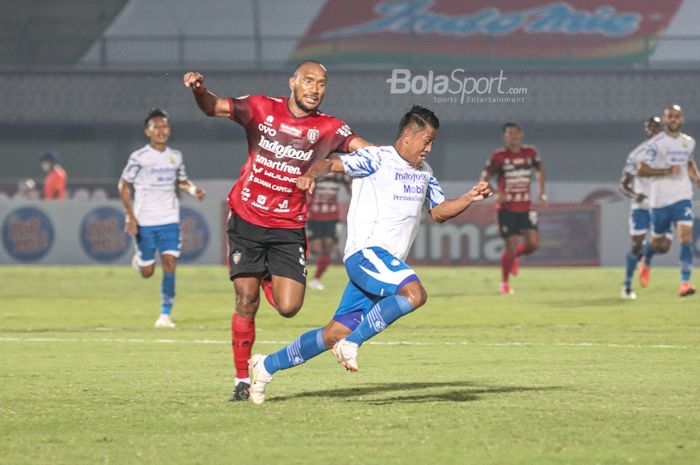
point(147, 272)
point(288, 311)
point(247, 304)
point(415, 293)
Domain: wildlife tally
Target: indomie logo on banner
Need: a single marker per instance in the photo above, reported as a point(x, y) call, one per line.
point(27, 234)
point(194, 234)
point(370, 30)
point(102, 234)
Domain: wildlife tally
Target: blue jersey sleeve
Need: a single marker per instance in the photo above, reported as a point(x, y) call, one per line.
point(435, 194)
point(362, 162)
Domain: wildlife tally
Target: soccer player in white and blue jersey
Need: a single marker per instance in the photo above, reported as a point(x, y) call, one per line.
point(638, 190)
point(670, 165)
point(156, 171)
point(391, 186)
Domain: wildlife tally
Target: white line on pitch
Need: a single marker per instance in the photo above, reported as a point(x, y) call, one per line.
point(379, 343)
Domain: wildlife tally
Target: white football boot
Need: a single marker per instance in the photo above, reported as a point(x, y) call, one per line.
point(316, 284)
point(628, 295)
point(164, 321)
point(259, 378)
point(346, 353)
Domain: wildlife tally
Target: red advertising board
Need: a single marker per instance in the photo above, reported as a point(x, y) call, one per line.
point(451, 31)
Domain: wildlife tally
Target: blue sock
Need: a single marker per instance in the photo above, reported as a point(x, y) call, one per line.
point(632, 260)
point(686, 259)
point(648, 253)
point(384, 312)
point(167, 293)
point(303, 348)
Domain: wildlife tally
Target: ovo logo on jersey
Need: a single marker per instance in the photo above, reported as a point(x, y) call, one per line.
point(267, 130)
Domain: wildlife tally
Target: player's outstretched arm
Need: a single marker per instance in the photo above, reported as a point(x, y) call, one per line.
point(453, 207)
point(210, 104)
point(357, 143)
point(307, 181)
point(130, 224)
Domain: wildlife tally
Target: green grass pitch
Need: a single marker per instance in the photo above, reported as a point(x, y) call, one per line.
point(562, 372)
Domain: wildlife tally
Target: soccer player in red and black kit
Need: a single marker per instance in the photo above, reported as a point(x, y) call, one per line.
point(324, 217)
point(266, 238)
point(513, 165)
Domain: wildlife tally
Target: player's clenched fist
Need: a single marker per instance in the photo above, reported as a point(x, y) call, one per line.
point(306, 183)
point(193, 79)
point(481, 191)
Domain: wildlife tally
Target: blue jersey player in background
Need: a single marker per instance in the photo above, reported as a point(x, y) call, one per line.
point(156, 171)
point(638, 190)
point(391, 187)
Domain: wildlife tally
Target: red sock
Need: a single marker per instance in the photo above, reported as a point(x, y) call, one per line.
point(506, 265)
point(322, 265)
point(521, 249)
point(242, 338)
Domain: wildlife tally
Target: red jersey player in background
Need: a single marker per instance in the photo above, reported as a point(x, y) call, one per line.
point(324, 218)
point(513, 166)
point(56, 176)
point(266, 237)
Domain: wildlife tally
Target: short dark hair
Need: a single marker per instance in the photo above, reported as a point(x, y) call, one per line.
point(154, 113)
point(511, 124)
point(419, 116)
point(49, 155)
point(299, 65)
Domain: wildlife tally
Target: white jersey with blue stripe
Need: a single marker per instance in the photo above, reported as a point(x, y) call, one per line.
point(641, 184)
point(154, 175)
point(388, 196)
point(664, 151)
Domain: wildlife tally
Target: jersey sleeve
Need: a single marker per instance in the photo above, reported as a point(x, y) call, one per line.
point(341, 137)
point(649, 153)
point(241, 108)
point(435, 194)
point(633, 160)
point(362, 162)
point(131, 170)
point(536, 157)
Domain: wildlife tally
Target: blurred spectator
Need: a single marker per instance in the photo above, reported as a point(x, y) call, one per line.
point(26, 189)
point(55, 180)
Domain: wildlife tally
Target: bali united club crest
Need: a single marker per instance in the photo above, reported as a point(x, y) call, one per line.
point(312, 135)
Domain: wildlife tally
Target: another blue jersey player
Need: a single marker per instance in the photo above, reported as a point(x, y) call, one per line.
point(156, 171)
point(390, 188)
point(638, 189)
point(670, 165)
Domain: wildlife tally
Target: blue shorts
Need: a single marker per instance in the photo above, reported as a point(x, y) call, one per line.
point(165, 238)
point(640, 221)
point(374, 274)
point(662, 219)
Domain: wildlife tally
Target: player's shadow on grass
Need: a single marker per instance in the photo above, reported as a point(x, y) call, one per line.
point(435, 392)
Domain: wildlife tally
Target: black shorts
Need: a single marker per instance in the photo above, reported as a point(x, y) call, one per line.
point(512, 223)
point(323, 229)
point(256, 250)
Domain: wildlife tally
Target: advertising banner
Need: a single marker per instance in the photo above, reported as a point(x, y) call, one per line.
point(444, 31)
